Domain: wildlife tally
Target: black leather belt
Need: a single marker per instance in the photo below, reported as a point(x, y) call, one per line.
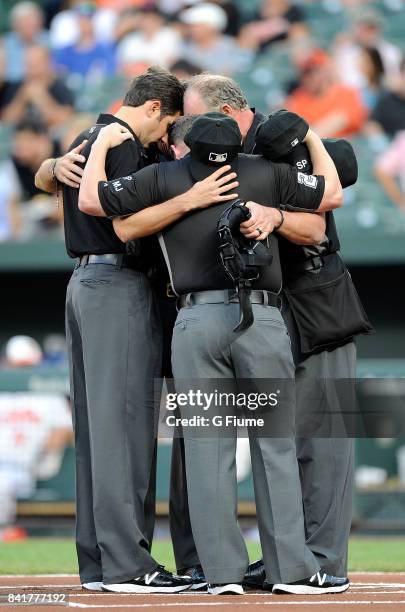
point(228, 296)
point(120, 260)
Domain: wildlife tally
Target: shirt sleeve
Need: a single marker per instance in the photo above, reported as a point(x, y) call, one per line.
point(130, 194)
point(297, 191)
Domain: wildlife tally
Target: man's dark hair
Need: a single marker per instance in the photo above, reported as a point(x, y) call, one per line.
point(156, 84)
point(183, 65)
point(179, 129)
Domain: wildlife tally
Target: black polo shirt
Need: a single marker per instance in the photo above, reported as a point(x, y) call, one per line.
point(249, 140)
point(190, 245)
point(85, 234)
point(289, 251)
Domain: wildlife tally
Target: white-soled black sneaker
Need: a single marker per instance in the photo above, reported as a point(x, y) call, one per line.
point(159, 581)
point(319, 584)
point(197, 577)
point(225, 589)
point(92, 586)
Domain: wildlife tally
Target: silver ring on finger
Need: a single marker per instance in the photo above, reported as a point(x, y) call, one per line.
point(259, 230)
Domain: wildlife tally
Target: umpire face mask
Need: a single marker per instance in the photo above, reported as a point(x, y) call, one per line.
point(241, 258)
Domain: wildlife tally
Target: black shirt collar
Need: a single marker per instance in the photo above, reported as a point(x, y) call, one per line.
point(106, 119)
point(249, 142)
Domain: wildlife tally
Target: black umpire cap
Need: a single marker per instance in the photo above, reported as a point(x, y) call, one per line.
point(214, 140)
point(280, 138)
point(280, 134)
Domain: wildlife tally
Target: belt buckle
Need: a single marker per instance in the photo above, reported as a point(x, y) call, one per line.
point(169, 291)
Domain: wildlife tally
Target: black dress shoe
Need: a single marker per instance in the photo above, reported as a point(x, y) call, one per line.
point(255, 577)
point(319, 583)
point(196, 574)
point(159, 581)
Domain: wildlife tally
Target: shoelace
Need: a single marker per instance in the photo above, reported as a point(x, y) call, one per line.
point(321, 578)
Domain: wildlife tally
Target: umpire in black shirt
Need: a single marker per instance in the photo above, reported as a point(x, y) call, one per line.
point(204, 345)
point(327, 498)
point(114, 347)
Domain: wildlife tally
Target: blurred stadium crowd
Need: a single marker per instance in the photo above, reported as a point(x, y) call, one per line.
point(339, 63)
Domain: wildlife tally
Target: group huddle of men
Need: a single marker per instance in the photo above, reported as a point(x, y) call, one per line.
point(123, 333)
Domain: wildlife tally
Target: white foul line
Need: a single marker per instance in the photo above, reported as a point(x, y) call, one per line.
point(73, 604)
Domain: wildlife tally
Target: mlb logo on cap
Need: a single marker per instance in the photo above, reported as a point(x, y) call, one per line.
point(214, 139)
point(218, 158)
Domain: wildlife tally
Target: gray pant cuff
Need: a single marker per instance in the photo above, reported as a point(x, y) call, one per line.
point(334, 570)
point(293, 574)
point(85, 579)
point(224, 575)
point(135, 574)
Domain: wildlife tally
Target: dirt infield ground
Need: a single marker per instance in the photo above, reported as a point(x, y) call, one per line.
point(386, 591)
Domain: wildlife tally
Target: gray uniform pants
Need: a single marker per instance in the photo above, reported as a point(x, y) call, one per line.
point(326, 473)
point(114, 354)
point(205, 347)
point(327, 463)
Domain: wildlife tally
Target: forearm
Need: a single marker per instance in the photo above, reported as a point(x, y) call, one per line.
point(94, 172)
point(44, 178)
point(53, 112)
point(322, 164)
point(332, 124)
point(298, 227)
point(57, 114)
point(15, 111)
point(57, 440)
point(303, 228)
point(15, 217)
point(390, 186)
point(153, 219)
